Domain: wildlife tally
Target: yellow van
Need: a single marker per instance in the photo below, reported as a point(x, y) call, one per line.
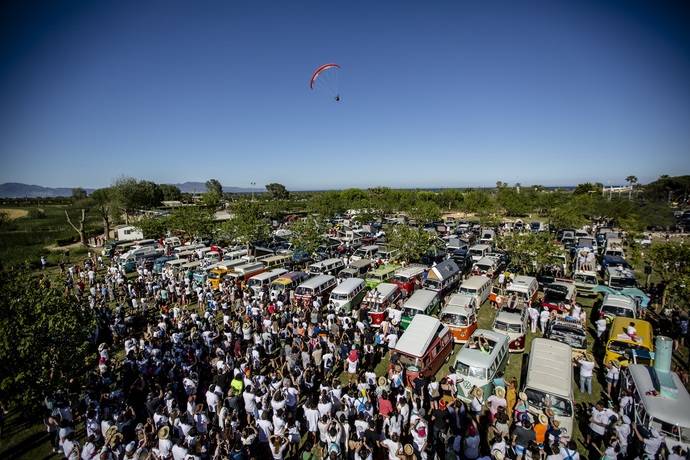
point(621, 345)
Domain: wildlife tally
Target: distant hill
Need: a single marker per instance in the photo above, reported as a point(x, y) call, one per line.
point(18, 190)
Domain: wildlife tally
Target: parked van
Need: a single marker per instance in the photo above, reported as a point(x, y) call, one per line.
point(618, 305)
point(187, 247)
point(487, 266)
point(423, 348)
point(236, 254)
point(550, 379)
point(175, 264)
point(288, 281)
point(621, 346)
point(488, 236)
point(327, 267)
point(277, 261)
point(559, 295)
point(585, 282)
point(443, 277)
point(620, 277)
point(660, 402)
point(314, 288)
point(483, 355)
point(421, 302)
point(246, 271)
point(160, 262)
point(357, 269)
point(365, 252)
point(257, 282)
point(478, 286)
point(348, 294)
point(460, 315)
point(386, 255)
point(172, 242)
point(409, 278)
point(379, 299)
point(514, 324)
point(478, 251)
point(524, 287)
point(381, 274)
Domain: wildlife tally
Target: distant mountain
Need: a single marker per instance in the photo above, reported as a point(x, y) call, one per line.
point(17, 190)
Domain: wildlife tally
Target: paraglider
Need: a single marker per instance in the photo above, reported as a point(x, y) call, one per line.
point(325, 78)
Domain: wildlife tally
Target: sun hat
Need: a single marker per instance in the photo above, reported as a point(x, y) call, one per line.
point(523, 396)
point(110, 432)
point(164, 432)
point(543, 419)
point(129, 448)
point(382, 381)
point(497, 454)
point(626, 419)
point(477, 392)
point(500, 392)
point(408, 449)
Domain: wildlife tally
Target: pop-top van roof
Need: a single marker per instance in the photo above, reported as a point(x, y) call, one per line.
point(423, 329)
point(670, 407)
point(550, 367)
point(410, 271)
point(316, 281)
point(474, 282)
point(478, 358)
point(521, 283)
point(420, 299)
point(460, 300)
point(347, 285)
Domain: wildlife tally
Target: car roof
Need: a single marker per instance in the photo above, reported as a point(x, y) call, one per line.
point(509, 317)
point(549, 370)
point(317, 281)
point(421, 297)
point(671, 407)
point(348, 285)
point(422, 330)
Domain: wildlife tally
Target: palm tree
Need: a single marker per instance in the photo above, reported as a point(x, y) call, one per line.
point(631, 180)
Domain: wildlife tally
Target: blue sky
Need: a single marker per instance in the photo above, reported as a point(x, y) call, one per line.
point(433, 93)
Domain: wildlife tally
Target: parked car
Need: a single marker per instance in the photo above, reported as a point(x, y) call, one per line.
point(567, 330)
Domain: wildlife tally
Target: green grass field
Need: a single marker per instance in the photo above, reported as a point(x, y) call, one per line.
point(24, 239)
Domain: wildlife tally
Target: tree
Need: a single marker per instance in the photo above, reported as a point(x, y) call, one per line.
point(512, 202)
point(170, 192)
point(277, 191)
point(425, 212)
point(44, 340)
point(631, 180)
point(587, 187)
point(78, 193)
point(411, 243)
point(307, 235)
point(133, 195)
point(671, 261)
point(80, 229)
point(214, 193)
point(248, 224)
point(154, 227)
point(529, 251)
point(192, 221)
point(104, 202)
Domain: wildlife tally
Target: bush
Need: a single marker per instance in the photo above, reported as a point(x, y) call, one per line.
point(67, 241)
point(37, 213)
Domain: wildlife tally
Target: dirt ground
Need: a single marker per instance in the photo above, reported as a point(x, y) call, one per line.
point(15, 213)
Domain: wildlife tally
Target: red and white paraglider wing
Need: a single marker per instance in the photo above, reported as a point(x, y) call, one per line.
point(317, 73)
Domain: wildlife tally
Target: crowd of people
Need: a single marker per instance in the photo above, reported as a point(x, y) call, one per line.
point(187, 372)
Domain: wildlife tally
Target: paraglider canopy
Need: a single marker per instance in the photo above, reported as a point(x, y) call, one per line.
point(326, 77)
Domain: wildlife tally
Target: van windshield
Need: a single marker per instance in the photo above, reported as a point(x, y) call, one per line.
point(477, 252)
point(464, 290)
point(506, 327)
point(400, 279)
point(618, 311)
point(670, 430)
point(335, 296)
point(410, 312)
point(455, 319)
point(301, 290)
point(582, 278)
point(255, 282)
point(623, 282)
point(470, 371)
point(560, 406)
point(434, 285)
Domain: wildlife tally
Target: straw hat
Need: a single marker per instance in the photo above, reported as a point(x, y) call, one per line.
point(110, 432)
point(407, 448)
point(477, 392)
point(500, 392)
point(589, 356)
point(164, 432)
point(497, 454)
point(115, 439)
point(543, 419)
point(523, 396)
point(382, 381)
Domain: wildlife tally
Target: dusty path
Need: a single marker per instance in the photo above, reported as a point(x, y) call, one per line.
point(15, 213)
